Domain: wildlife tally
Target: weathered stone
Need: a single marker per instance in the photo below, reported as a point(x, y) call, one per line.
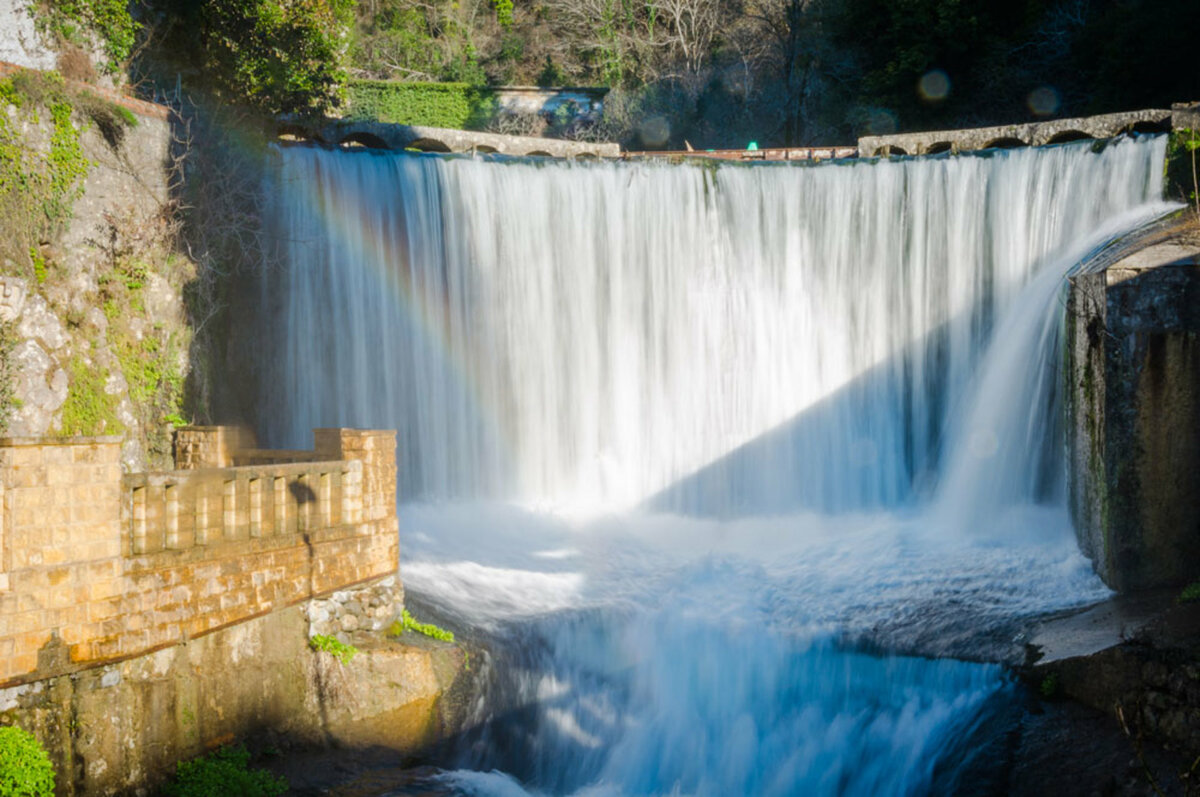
point(1134, 414)
point(1033, 134)
point(12, 297)
point(38, 322)
point(436, 139)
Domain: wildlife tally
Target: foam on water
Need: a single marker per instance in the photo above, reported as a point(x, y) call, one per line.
point(798, 429)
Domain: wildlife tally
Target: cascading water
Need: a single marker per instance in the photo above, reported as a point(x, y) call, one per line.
point(743, 419)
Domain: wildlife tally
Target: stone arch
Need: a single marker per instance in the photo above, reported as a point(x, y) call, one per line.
point(587, 156)
point(891, 149)
point(939, 147)
point(539, 153)
point(1069, 135)
point(1005, 142)
point(429, 145)
point(1148, 126)
point(295, 134)
point(363, 139)
point(484, 149)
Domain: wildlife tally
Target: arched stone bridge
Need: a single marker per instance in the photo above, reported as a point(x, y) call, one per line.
point(1034, 134)
point(383, 135)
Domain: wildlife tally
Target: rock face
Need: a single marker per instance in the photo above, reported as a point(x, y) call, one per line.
point(1133, 350)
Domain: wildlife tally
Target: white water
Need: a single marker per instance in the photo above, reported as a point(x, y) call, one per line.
point(842, 379)
point(596, 337)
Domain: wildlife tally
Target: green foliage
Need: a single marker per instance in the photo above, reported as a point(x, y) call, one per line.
point(38, 188)
point(1190, 593)
point(279, 56)
point(88, 410)
point(432, 41)
point(223, 773)
point(39, 264)
point(1050, 686)
point(333, 646)
point(1180, 167)
point(150, 358)
point(408, 623)
point(8, 399)
point(71, 20)
point(454, 105)
point(25, 769)
point(504, 12)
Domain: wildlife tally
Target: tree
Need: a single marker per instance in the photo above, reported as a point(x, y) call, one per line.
point(281, 56)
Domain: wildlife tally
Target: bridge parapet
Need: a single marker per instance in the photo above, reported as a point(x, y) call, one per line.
point(384, 135)
point(1033, 134)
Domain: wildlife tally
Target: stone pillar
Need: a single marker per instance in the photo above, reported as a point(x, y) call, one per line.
point(61, 523)
point(1133, 343)
point(210, 446)
point(376, 449)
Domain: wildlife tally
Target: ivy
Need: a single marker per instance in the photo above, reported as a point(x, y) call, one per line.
point(453, 105)
point(38, 188)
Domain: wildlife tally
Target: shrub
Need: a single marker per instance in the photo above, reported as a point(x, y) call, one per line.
point(223, 773)
point(454, 105)
point(25, 769)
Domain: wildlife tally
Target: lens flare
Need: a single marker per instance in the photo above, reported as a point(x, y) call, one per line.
point(934, 86)
point(1044, 101)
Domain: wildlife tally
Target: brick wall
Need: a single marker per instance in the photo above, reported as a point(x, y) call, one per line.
point(98, 567)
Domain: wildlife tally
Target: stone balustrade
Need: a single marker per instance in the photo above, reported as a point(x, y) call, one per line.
point(97, 567)
point(182, 509)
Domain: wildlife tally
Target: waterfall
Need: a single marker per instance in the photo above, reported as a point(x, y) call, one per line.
point(725, 341)
point(780, 385)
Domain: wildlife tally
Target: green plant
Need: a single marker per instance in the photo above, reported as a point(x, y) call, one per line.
point(1190, 593)
point(25, 769)
point(281, 57)
point(1049, 686)
point(453, 105)
point(504, 12)
point(334, 647)
point(408, 623)
point(110, 20)
point(38, 187)
point(223, 773)
point(1180, 168)
point(8, 399)
point(89, 409)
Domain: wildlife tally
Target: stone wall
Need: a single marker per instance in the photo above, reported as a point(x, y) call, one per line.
point(120, 728)
point(1134, 414)
point(147, 618)
point(98, 567)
